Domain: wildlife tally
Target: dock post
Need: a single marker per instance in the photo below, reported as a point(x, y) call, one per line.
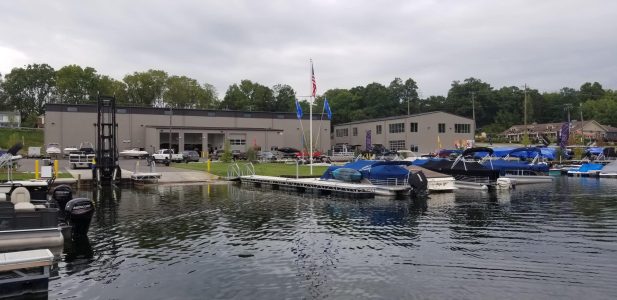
point(36, 169)
point(78, 181)
point(56, 167)
point(208, 163)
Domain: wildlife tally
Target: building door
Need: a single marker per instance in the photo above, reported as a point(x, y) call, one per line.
point(216, 141)
point(192, 141)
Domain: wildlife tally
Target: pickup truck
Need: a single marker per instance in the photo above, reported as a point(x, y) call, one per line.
point(163, 155)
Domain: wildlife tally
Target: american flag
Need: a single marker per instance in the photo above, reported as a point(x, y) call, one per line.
point(313, 79)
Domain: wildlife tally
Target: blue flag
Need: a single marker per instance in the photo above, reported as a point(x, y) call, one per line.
point(298, 110)
point(327, 108)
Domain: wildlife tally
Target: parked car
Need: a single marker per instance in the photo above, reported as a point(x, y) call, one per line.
point(163, 155)
point(190, 155)
point(235, 154)
point(266, 156)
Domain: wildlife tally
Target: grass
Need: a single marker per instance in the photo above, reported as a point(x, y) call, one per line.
point(28, 175)
point(266, 169)
point(31, 137)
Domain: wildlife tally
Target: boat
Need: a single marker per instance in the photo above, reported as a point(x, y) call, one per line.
point(406, 155)
point(469, 174)
point(516, 167)
point(66, 151)
point(32, 219)
point(391, 178)
point(53, 150)
point(609, 171)
point(83, 157)
point(341, 154)
point(134, 153)
point(347, 174)
point(586, 170)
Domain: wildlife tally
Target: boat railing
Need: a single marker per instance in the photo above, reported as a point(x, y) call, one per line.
point(359, 157)
point(389, 181)
point(233, 170)
point(249, 169)
point(474, 179)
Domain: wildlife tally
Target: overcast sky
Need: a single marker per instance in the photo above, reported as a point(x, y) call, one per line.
point(546, 44)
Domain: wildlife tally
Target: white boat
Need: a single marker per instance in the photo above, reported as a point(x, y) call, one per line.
point(340, 153)
point(53, 149)
point(134, 153)
point(406, 155)
point(609, 171)
point(66, 151)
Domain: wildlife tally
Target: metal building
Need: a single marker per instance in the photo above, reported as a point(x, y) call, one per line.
point(422, 133)
point(191, 129)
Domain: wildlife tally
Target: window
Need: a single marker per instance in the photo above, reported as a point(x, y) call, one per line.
point(397, 127)
point(462, 128)
point(397, 145)
point(342, 132)
point(442, 127)
point(413, 148)
point(378, 129)
point(354, 131)
point(121, 110)
point(280, 116)
point(413, 127)
point(211, 114)
point(237, 142)
point(247, 115)
point(71, 109)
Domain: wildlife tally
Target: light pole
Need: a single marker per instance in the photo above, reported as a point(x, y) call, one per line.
point(170, 115)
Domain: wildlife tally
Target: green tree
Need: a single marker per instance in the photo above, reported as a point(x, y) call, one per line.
point(249, 96)
point(284, 97)
point(591, 91)
point(112, 87)
point(29, 89)
point(75, 84)
point(184, 92)
point(227, 155)
point(405, 94)
point(146, 88)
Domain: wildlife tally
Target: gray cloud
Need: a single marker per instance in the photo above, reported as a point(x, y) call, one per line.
point(546, 44)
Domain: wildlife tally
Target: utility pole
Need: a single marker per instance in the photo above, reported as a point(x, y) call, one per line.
point(567, 108)
point(526, 129)
point(170, 115)
point(473, 111)
point(582, 124)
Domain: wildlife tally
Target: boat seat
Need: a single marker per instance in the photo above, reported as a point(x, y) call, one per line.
point(21, 198)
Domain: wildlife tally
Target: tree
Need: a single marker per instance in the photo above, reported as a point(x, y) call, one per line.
point(249, 96)
point(75, 85)
point(591, 91)
point(184, 92)
point(284, 97)
point(29, 89)
point(112, 87)
point(405, 94)
point(146, 88)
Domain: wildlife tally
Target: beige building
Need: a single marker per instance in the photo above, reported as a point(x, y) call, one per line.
point(423, 133)
point(191, 129)
point(591, 129)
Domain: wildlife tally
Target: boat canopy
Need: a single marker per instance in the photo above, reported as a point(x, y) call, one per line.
point(590, 167)
point(374, 169)
point(595, 150)
point(509, 165)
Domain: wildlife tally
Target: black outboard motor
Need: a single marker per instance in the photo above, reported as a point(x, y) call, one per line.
point(418, 184)
point(78, 213)
point(62, 194)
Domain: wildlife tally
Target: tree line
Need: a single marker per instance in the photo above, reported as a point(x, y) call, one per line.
point(27, 90)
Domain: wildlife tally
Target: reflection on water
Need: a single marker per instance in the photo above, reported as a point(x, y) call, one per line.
point(224, 241)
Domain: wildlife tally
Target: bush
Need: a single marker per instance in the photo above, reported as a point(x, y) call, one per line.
point(227, 156)
point(251, 154)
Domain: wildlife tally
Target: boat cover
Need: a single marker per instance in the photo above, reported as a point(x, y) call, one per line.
point(595, 150)
point(374, 169)
point(461, 168)
point(587, 167)
point(510, 165)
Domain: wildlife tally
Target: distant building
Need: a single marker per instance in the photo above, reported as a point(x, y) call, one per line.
point(423, 132)
point(590, 129)
point(10, 119)
point(191, 129)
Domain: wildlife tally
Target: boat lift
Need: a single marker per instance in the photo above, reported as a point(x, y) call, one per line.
point(106, 170)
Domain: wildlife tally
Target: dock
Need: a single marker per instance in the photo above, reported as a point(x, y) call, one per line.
point(25, 273)
point(321, 187)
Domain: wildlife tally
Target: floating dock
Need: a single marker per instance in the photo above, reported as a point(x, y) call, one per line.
point(321, 187)
point(25, 273)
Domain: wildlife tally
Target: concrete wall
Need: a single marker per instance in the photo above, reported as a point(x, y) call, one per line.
point(71, 125)
point(426, 137)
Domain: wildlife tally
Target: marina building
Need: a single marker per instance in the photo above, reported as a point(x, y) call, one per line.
point(149, 128)
point(422, 133)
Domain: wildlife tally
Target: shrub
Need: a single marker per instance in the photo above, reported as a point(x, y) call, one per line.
point(227, 156)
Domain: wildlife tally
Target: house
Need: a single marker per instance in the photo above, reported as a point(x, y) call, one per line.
point(592, 130)
point(10, 119)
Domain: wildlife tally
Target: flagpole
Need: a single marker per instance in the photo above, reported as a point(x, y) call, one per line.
point(311, 120)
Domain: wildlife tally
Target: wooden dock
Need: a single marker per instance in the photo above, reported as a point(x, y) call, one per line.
point(25, 273)
point(321, 187)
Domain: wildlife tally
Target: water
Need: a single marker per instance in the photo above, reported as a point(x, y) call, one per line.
point(221, 241)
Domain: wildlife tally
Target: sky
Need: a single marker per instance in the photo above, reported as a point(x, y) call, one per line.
point(544, 44)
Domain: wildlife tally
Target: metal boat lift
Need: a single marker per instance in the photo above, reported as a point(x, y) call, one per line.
point(106, 170)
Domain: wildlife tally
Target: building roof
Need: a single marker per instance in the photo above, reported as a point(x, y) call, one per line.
point(400, 117)
point(549, 127)
point(164, 128)
point(92, 108)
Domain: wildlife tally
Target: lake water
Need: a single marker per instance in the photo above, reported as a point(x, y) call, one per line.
point(223, 241)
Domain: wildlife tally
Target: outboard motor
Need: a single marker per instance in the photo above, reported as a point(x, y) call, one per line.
point(418, 184)
point(78, 214)
point(61, 195)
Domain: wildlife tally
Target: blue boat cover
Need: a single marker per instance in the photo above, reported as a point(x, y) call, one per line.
point(509, 165)
point(590, 167)
point(374, 169)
